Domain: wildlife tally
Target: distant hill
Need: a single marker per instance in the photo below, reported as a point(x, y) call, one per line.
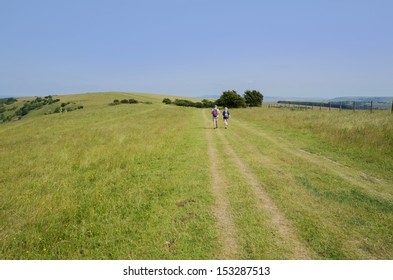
point(349, 102)
point(14, 109)
point(376, 99)
point(279, 98)
point(211, 96)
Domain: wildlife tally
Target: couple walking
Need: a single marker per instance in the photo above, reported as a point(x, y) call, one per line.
point(216, 114)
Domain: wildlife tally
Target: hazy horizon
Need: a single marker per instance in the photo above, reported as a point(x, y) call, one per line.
point(267, 98)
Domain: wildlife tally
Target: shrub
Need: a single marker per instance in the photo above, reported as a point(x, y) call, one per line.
point(124, 101)
point(167, 101)
point(184, 102)
point(23, 111)
point(207, 103)
point(7, 101)
point(187, 103)
point(198, 104)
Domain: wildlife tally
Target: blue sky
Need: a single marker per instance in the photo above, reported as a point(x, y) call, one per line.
point(316, 49)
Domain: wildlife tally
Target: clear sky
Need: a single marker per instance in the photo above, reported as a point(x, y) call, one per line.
point(314, 48)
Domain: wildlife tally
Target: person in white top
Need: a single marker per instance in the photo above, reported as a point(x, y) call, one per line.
point(226, 116)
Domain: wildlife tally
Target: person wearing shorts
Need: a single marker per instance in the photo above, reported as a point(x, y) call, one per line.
point(225, 116)
point(215, 115)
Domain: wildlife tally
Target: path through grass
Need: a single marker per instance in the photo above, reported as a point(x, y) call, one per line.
point(153, 181)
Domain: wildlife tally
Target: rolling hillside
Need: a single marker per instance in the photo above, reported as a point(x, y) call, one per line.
point(154, 181)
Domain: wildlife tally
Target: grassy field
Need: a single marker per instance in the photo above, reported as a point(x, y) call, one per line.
point(155, 181)
point(105, 182)
point(333, 185)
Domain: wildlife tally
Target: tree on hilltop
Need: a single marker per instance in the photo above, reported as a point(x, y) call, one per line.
point(253, 98)
point(231, 99)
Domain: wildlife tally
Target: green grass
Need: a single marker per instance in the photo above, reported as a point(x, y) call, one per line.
point(257, 237)
point(359, 138)
point(339, 218)
point(104, 183)
point(133, 181)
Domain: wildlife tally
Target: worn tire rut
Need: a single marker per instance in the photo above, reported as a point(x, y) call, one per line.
point(278, 220)
point(229, 247)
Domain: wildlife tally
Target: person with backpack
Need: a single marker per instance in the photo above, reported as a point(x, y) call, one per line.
point(215, 114)
point(225, 116)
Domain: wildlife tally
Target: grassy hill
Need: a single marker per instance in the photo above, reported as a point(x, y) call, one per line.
point(155, 181)
point(103, 182)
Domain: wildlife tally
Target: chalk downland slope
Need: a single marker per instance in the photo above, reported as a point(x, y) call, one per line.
point(156, 181)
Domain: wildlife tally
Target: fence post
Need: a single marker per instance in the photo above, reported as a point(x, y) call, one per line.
point(330, 105)
point(353, 106)
point(371, 107)
point(341, 106)
point(392, 107)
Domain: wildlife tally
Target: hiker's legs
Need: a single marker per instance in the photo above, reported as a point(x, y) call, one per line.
point(215, 122)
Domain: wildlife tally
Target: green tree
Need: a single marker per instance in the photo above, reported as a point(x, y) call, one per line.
point(253, 98)
point(231, 99)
